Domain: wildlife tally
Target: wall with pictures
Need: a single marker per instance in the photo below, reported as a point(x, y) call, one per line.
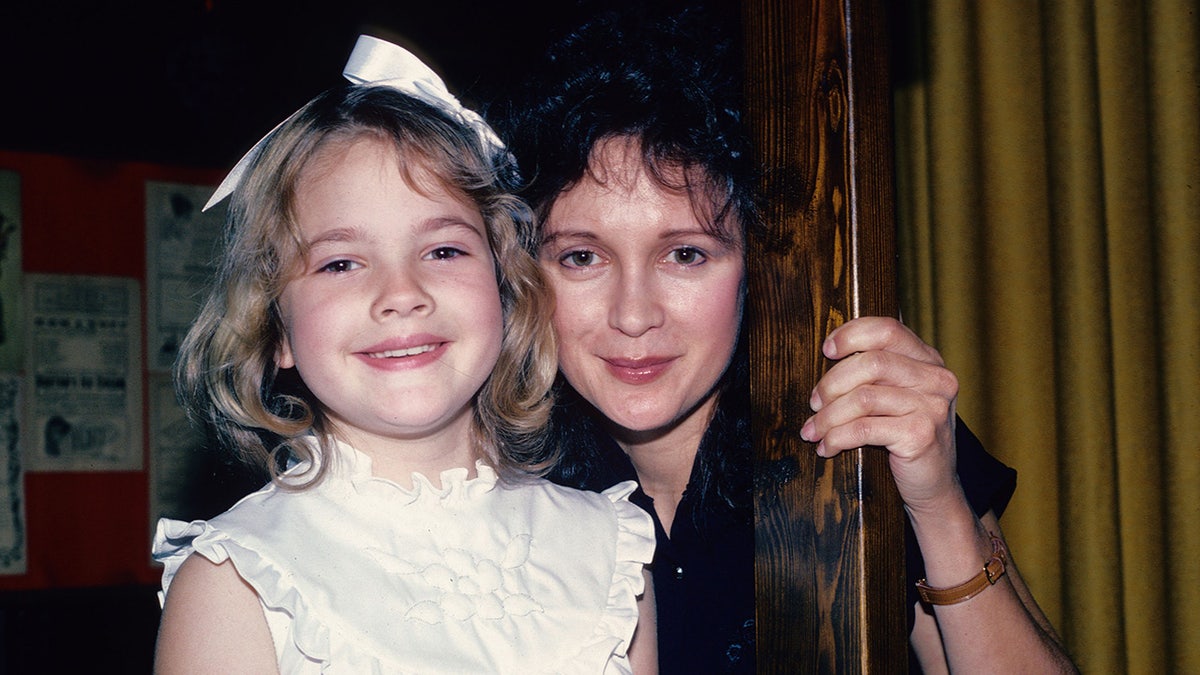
point(100, 266)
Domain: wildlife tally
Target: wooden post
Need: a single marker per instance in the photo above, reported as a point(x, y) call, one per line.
point(830, 534)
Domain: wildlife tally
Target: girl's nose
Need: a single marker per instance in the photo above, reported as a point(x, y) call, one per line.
point(400, 292)
point(636, 305)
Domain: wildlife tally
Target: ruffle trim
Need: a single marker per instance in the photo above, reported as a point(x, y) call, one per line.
point(175, 540)
point(635, 549)
point(355, 467)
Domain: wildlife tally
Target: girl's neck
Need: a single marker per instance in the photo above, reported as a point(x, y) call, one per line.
point(397, 459)
point(663, 458)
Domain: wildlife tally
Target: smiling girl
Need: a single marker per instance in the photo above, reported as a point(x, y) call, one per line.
point(379, 340)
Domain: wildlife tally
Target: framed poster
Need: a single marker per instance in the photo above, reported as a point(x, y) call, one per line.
point(10, 271)
point(12, 495)
point(181, 248)
point(83, 375)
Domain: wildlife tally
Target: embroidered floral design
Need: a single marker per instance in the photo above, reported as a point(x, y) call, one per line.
point(468, 586)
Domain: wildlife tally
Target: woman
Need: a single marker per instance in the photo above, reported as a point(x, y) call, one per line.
point(643, 184)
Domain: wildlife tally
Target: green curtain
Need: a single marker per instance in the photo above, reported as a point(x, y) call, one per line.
point(1048, 168)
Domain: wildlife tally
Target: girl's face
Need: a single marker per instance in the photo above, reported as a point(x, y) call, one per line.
point(648, 303)
point(393, 319)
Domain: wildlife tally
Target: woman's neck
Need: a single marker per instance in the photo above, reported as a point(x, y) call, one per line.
point(663, 458)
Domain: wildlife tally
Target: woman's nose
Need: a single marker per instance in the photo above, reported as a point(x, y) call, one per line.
point(400, 291)
point(636, 305)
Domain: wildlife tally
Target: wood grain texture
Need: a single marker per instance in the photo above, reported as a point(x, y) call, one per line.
point(830, 534)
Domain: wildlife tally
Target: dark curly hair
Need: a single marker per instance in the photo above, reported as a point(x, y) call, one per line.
point(673, 84)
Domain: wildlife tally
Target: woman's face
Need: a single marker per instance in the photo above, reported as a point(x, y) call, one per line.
point(648, 303)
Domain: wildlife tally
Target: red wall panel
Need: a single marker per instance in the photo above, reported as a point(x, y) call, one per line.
point(88, 217)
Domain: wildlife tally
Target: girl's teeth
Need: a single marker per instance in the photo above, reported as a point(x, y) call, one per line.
point(396, 353)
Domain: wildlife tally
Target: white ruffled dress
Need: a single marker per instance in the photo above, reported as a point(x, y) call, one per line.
point(359, 575)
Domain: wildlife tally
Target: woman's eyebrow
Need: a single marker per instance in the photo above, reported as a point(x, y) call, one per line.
point(689, 231)
point(551, 237)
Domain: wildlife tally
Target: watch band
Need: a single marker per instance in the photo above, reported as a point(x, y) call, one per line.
point(992, 570)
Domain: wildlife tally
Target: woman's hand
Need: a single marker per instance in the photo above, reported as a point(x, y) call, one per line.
point(889, 389)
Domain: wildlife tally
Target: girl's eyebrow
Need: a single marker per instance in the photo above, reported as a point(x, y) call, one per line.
point(438, 223)
point(338, 235)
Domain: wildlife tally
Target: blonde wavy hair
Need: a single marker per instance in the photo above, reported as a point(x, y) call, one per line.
point(226, 375)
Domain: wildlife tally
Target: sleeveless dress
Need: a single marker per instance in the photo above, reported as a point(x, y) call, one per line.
point(359, 575)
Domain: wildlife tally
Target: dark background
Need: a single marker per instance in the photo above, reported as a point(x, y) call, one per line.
point(197, 82)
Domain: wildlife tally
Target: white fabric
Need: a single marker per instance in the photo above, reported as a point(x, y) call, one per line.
point(359, 575)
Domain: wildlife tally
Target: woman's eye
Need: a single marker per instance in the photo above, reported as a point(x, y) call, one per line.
point(580, 258)
point(338, 266)
point(686, 255)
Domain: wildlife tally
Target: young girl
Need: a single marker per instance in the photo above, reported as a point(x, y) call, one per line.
point(378, 339)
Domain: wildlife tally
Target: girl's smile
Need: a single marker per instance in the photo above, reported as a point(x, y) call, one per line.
point(404, 353)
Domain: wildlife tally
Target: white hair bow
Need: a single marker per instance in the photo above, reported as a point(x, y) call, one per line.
point(379, 63)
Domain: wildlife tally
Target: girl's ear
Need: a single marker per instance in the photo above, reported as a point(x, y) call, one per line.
point(283, 353)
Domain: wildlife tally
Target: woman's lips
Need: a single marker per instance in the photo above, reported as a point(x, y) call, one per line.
point(638, 371)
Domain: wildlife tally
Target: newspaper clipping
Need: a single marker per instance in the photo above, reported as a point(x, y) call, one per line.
point(12, 498)
point(10, 271)
point(83, 377)
point(181, 244)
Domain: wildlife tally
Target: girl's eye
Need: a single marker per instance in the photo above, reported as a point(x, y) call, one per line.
point(578, 258)
point(339, 266)
point(444, 253)
point(686, 255)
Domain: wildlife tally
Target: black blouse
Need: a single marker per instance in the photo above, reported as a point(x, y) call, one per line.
point(704, 571)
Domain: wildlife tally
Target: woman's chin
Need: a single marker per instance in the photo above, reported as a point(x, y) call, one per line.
point(654, 424)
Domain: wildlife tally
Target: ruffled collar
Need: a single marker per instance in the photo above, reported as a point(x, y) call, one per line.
point(351, 468)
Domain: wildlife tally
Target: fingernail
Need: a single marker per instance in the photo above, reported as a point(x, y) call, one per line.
point(828, 348)
point(806, 431)
point(814, 401)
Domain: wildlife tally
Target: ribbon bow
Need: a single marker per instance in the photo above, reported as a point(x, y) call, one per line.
point(376, 62)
